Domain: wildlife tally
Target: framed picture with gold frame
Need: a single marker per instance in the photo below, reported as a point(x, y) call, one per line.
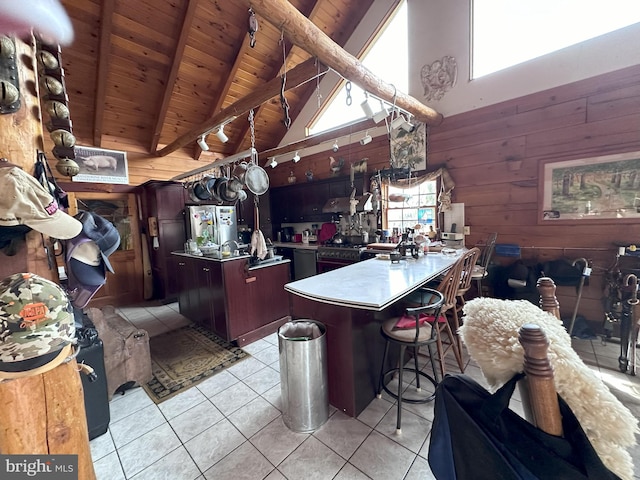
point(604, 188)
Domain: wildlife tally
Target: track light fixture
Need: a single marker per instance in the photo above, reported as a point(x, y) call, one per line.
point(397, 122)
point(335, 146)
point(381, 115)
point(407, 126)
point(366, 108)
point(221, 135)
point(366, 139)
point(401, 122)
point(202, 143)
point(296, 158)
point(273, 163)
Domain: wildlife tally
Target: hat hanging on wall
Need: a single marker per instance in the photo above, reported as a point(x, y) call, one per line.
point(24, 201)
point(86, 257)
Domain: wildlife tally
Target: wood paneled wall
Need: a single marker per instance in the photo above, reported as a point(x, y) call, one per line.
point(494, 155)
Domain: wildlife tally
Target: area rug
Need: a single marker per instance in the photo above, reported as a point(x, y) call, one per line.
point(183, 358)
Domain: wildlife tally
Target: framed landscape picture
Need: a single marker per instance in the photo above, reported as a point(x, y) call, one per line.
point(591, 189)
point(98, 165)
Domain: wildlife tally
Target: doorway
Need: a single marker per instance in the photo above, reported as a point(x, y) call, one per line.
point(124, 287)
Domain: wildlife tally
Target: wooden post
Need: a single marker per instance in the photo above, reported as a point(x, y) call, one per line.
point(542, 391)
point(548, 301)
point(43, 413)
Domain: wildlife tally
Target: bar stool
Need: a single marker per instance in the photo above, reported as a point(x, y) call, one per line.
point(411, 331)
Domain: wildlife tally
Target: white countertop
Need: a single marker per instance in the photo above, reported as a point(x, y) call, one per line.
point(372, 284)
point(304, 246)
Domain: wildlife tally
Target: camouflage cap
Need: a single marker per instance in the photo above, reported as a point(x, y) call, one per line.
point(36, 321)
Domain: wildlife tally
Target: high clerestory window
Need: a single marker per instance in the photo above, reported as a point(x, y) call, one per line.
point(388, 58)
point(509, 32)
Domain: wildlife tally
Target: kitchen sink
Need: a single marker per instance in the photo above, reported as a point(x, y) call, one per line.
point(254, 262)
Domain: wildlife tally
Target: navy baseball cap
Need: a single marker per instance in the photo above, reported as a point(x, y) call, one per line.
point(102, 232)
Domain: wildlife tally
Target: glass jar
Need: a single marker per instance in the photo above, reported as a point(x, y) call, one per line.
point(225, 251)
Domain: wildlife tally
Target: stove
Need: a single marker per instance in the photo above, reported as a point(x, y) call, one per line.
point(330, 257)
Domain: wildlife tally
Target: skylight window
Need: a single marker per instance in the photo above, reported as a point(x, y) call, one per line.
point(508, 32)
point(388, 58)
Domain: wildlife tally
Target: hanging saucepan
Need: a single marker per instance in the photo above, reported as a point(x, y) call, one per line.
point(190, 190)
point(239, 170)
point(235, 185)
point(210, 185)
point(228, 195)
point(256, 179)
point(221, 185)
point(200, 188)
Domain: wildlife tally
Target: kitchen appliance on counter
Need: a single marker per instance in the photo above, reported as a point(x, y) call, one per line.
point(286, 234)
point(211, 223)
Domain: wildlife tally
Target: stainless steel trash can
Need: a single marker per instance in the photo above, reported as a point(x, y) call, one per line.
point(303, 375)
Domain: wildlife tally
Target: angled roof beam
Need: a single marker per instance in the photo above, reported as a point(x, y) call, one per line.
point(302, 32)
point(173, 73)
point(296, 76)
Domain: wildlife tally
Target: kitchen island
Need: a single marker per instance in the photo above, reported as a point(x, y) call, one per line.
point(352, 302)
point(237, 301)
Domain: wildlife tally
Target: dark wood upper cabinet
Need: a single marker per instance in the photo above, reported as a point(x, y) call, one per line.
point(303, 202)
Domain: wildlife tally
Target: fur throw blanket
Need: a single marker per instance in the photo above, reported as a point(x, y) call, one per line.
point(490, 333)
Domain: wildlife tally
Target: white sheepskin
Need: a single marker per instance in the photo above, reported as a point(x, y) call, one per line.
point(490, 333)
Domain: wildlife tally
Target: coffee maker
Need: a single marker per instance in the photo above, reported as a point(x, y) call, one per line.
point(286, 234)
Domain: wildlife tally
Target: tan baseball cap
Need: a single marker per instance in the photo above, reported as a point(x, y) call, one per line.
point(24, 201)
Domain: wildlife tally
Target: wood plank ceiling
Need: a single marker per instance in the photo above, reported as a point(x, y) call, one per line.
point(141, 73)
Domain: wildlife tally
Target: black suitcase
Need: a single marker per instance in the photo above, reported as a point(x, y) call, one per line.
point(96, 399)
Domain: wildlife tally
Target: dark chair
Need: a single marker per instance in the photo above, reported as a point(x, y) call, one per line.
point(480, 271)
point(417, 332)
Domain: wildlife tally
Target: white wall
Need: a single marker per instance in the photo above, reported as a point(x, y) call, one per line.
point(442, 27)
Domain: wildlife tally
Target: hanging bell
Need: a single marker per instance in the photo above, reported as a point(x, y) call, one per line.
point(67, 167)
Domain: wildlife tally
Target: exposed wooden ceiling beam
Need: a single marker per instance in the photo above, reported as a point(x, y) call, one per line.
point(173, 73)
point(302, 32)
point(106, 16)
point(295, 77)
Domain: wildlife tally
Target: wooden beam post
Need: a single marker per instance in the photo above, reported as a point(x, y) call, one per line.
point(44, 413)
point(305, 34)
point(295, 77)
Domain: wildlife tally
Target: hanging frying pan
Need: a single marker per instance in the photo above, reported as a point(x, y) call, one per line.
point(256, 179)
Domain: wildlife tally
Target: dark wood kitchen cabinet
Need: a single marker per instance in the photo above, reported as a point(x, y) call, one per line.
point(303, 202)
point(230, 299)
point(165, 202)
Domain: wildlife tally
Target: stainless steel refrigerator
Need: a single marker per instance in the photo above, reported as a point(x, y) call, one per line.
point(211, 223)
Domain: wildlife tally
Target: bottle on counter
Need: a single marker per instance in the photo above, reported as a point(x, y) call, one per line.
point(432, 234)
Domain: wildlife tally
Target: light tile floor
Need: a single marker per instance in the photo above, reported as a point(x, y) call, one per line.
point(230, 426)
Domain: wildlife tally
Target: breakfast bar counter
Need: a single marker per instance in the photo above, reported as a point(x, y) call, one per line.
point(372, 284)
point(352, 302)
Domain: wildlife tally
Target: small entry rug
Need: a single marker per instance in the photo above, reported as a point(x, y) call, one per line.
point(183, 358)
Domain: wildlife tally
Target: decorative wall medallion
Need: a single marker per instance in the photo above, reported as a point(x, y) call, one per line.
point(439, 77)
